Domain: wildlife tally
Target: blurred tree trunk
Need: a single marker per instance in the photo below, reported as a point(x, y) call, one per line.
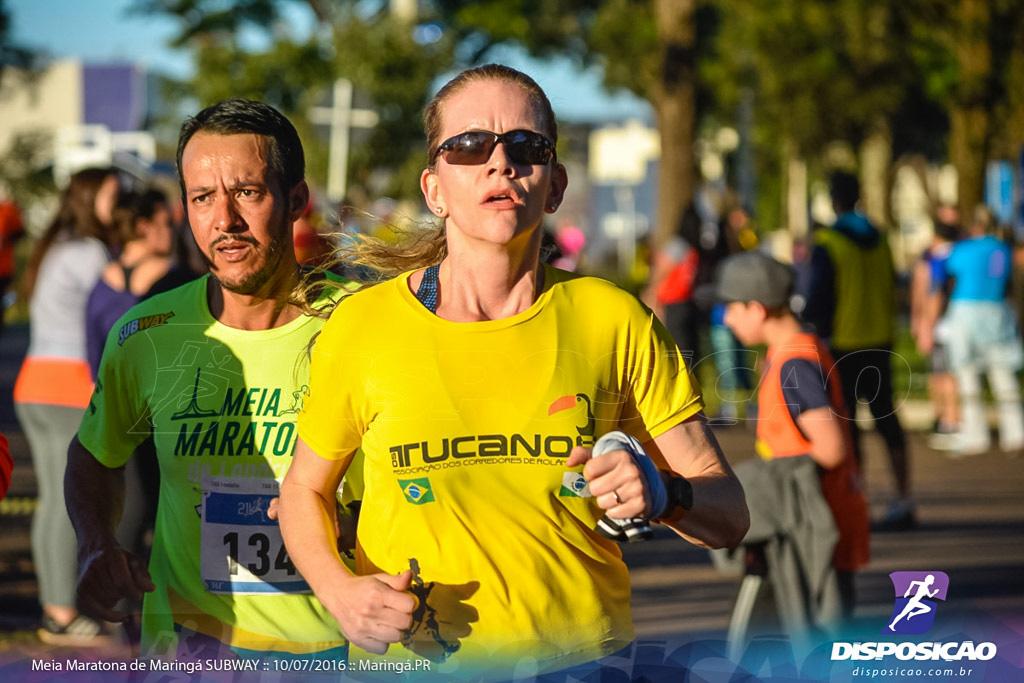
point(1015, 89)
point(673, 97)
point(794, 200)
point(875, 170)
point(970, 115)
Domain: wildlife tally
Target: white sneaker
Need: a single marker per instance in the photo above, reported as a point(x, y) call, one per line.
point(966, 448)
point(943, 441)
point(1011, 446)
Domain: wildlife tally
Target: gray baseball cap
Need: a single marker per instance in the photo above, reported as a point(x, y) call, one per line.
point(751, 276)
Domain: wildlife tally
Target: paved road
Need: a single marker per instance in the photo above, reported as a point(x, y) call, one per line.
point(971, 514)
point(971, 526)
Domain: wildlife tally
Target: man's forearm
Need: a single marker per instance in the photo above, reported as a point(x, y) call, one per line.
point(94, 495)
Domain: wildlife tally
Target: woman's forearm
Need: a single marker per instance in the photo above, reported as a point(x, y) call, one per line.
point(307, 510)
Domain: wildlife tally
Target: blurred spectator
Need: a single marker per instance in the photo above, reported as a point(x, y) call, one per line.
point(54, 385)
point(571, 241)
point(983, 337)
point(187, 261)
point(311, 247)
point(143, 223)
point(1017, 278)
point(673, 281)
point(851, 303)
point(928, 299)
point(802, 249)
point(805, 497)
point(11, 230)
point(732, 375)
point(6, 466)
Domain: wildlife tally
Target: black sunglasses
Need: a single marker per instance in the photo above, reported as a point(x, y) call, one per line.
point(475, 147)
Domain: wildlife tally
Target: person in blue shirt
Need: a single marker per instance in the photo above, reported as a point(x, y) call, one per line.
point(983, 336)
point(929, 296)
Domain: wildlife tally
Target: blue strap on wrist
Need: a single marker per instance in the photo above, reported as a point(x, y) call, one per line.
point(636, 529)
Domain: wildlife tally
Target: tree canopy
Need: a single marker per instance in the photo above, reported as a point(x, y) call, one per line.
point(932, 78)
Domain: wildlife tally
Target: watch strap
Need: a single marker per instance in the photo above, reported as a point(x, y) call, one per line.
point(680, 497)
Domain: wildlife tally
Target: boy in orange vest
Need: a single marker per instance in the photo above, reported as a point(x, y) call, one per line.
point(801, 411)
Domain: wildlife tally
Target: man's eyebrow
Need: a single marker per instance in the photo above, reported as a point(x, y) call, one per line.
point(237, 185)
point(247, 182)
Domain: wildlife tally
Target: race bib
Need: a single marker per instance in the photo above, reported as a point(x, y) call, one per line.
point(242, 548)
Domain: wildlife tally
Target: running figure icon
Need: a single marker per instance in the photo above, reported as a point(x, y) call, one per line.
point(915, 606)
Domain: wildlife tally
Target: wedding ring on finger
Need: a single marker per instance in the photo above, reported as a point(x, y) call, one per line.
point(615, 495)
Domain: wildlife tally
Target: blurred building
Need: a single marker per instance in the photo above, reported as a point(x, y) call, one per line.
point(621, 193)
point(90, 115)
point(622, 172)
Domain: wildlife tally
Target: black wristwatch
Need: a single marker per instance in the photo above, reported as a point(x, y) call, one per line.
point(680, 497)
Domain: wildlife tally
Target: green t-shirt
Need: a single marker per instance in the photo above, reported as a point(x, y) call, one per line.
point(221, 404)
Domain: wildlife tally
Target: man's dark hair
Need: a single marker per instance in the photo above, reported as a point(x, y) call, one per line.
point(845, 190)
point(237, 116)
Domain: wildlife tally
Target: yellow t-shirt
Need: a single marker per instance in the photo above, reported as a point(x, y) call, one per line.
point(465, 428)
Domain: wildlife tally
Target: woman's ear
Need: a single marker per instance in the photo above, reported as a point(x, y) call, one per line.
point(431, 189)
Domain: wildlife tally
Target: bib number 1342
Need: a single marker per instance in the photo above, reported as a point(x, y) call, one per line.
point(242, 548)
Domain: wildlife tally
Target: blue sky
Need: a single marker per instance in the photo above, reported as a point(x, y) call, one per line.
point(96, 31)
point(102, 31)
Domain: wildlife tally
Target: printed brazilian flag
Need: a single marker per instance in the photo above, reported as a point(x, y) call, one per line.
point(574, 486)
point(417, 491)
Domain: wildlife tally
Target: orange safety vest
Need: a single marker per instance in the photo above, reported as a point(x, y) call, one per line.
point(779, 436)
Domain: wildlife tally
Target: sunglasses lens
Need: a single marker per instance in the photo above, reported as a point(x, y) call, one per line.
point(468, 148)
point(527, 147)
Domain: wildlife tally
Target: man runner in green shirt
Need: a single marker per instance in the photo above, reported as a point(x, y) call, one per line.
point(215, 371)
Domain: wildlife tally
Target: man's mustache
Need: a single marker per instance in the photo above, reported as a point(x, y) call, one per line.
point(234, 238)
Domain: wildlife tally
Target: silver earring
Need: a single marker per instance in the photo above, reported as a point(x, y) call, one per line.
point(439, 209)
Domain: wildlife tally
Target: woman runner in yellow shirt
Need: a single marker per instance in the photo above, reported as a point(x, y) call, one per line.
point(477, 406)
